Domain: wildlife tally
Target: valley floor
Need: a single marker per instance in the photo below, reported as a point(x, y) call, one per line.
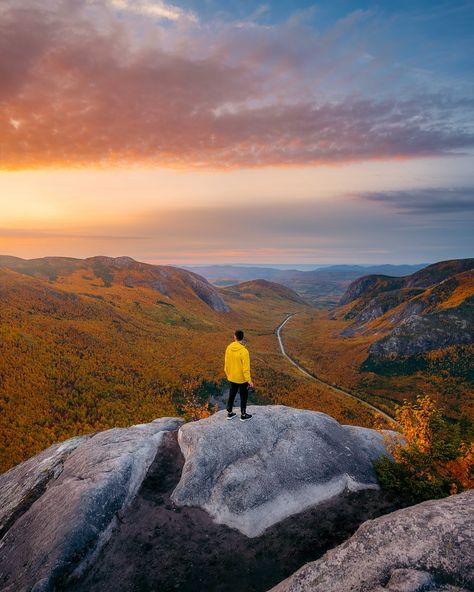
point(313, 339)
point(332, 387)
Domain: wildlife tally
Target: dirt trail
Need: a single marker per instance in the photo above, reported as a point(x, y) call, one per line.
point(337, 389)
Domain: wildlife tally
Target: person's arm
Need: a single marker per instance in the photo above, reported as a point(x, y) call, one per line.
point(246, 366)
point(226, 362)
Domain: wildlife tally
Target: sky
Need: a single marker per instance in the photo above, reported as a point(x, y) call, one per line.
point(201, 131)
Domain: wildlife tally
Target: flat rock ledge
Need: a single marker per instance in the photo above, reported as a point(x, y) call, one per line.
point(60, 507)
point(427, 547)
point(251, 475)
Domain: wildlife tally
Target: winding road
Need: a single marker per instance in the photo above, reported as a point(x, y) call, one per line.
point(318, 380)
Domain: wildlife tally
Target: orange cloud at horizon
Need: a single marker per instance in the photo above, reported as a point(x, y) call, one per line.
point(48, 217)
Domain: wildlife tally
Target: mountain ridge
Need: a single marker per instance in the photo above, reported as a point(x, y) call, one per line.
point(171, 282)
point(422, 279)
point(322, 286)
point(430, 310)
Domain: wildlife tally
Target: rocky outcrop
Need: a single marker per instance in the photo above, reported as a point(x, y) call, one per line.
point(427, 547)
point(66, 502)
point(252, 475)
point(377, 307)
point(122, 509)
point(24, 484)
point(418, 334)
point(430, 310)
point(207, 292)
point(415, 301)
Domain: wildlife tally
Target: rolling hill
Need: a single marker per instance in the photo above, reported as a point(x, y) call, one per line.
point(171, 283)
point(260, 289)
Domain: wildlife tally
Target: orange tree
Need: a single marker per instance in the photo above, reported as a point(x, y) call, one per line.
point(194, 399)
point(433, 460)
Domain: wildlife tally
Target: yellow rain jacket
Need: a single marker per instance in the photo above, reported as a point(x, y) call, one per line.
point(237, 363)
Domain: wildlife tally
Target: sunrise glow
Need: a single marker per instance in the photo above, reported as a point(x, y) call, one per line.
point(282, 133)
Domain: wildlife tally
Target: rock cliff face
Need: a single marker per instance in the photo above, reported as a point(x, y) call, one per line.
point(430, 310)
point(64, 503)
point(418, 334)
point(121, 510)
point(206, 292)
point(252, 475)
point(427, 547)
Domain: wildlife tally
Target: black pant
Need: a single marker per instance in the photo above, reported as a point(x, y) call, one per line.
point(243, 388)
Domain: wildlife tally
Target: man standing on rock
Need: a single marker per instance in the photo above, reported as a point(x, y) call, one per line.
point(237, 369)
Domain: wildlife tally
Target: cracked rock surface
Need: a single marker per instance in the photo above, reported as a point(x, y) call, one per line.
point(149, 507)
point(24, 484)
point(252, 475)
point(426, 547)
point(84, 484)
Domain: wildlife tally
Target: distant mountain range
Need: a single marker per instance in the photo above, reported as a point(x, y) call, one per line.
point(322, 286)
point(431, 310)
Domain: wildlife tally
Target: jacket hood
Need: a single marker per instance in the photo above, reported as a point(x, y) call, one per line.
point(235, 346)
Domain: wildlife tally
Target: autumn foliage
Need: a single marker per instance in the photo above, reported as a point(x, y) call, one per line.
point(433, 460)
point(82, 349)
point(314, 339)
point(194, 404)
point(86, 345)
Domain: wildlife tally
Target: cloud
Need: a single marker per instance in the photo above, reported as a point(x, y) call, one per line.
point(300, 224)
point(157, 9)
point(87, 88)
point(36, 233)
point(426, 201)
point(331, 230)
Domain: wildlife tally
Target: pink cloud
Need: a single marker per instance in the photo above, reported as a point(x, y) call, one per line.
point(78, 89)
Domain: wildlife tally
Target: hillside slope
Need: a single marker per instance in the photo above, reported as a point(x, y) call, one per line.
point(393, 339)
point(102, 342)
point(369, 286)
point(262, 289)
point(429, 311)
point(171, 283)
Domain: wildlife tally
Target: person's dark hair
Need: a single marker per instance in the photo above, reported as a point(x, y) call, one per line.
point(239, 334)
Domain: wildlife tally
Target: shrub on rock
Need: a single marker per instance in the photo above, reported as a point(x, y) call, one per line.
point(433, 461)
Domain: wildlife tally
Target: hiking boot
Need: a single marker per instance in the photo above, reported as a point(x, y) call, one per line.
point(245, 417)
point(231, 415)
